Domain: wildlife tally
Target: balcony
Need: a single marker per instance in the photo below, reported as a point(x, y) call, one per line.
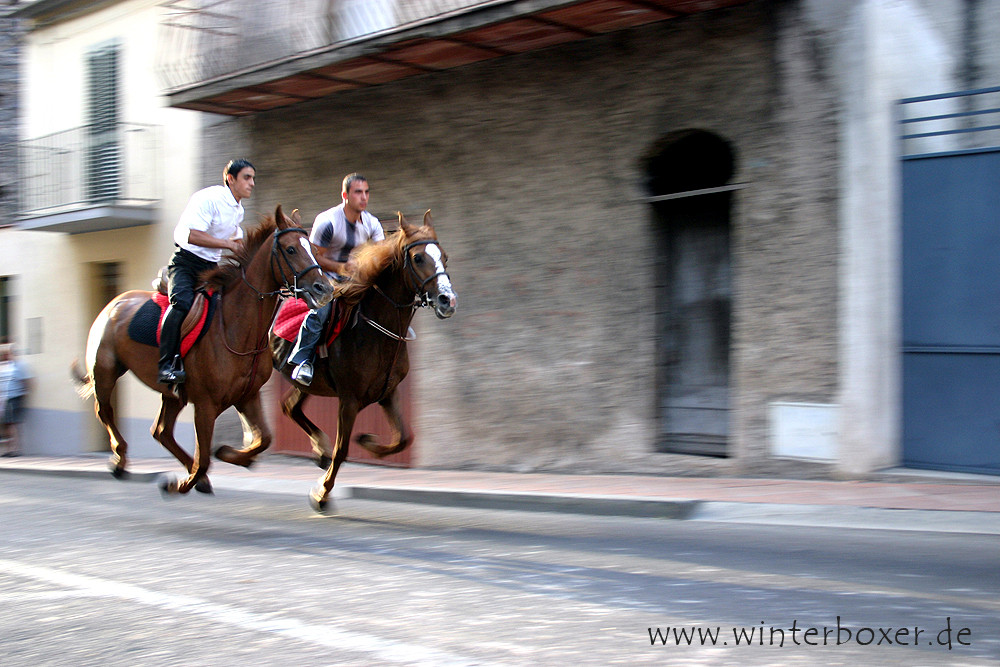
point(90, 178)
point(237, 58)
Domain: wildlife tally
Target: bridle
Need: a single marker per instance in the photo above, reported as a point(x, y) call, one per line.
point(420, 289)
point(419, 286)
point(287, 288)
point(294, 288)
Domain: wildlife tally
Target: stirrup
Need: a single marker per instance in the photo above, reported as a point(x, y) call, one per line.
point(303, 373)
point(173, 374)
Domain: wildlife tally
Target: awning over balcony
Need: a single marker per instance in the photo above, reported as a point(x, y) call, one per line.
point(235, 58)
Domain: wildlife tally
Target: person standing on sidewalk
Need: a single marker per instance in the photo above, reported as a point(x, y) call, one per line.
point(210, 224)
point(335, 233)
point(15, 383)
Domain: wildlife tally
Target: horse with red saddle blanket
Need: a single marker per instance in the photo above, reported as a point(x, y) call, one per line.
point(366, 357)
point(227, 358)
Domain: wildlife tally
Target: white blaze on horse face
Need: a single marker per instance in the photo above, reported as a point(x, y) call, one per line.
point(308, 248)
point(444, 285)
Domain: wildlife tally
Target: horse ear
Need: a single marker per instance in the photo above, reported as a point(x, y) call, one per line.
point(427, 219)
point(404, 225)
point(279, 218)
point(296, 217)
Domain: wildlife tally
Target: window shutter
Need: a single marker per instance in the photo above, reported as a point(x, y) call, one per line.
point(103, 145)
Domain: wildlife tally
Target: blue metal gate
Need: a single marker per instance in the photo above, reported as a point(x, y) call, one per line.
point(951, 286)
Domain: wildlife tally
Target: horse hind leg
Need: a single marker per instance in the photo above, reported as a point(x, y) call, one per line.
point(105, 375)
point(291, 405)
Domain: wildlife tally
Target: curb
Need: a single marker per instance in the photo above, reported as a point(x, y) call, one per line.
point(595, 505)
point(130, 476)
point(967, 522)
point(598, 505)
point(709, 511)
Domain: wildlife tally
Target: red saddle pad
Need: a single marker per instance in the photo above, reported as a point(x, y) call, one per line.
point(163, 301)
point(289, 319)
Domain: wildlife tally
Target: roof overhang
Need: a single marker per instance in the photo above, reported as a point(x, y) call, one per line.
point(489, 31)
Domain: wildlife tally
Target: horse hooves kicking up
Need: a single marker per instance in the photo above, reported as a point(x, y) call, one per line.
point(204, 486)
point(371, 443)
point(323, 462)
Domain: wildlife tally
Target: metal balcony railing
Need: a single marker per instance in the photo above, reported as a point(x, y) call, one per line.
point(203, 40)
point(111, 164)
point(966, 120)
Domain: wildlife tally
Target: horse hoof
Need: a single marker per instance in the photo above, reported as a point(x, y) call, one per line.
point(117, 472)
point(168, 485)
point(324, 461)
point(319, 503)
point(204, 486)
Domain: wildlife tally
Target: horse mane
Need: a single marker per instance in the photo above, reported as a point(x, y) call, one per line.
point(370, 261)
point(231, 268)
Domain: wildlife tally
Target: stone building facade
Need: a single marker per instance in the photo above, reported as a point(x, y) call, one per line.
point(537, 170)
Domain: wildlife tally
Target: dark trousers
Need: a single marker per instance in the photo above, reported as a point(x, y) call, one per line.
point(309, 333)
point(182, 277)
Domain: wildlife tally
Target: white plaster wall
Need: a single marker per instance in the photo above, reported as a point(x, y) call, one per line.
point(890, 49)
point(53, 99)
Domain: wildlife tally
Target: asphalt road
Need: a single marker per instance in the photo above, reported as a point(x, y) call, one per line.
point(99, 572)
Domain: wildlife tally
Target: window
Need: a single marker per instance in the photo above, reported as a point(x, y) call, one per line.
point(103, 149)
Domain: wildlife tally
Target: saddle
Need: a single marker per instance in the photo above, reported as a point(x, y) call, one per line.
point(145, 325)
point(289, 319)
point(195, 316)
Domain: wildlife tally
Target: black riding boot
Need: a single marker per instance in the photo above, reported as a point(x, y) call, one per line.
point(171, 367)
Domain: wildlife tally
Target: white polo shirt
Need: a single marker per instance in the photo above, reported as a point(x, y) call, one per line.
point(215, 211)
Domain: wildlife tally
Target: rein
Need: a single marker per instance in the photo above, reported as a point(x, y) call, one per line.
point(284, 290)
point(420, 300)
point(419, 287)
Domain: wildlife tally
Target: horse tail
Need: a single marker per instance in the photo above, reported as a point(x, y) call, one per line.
point(84, 383)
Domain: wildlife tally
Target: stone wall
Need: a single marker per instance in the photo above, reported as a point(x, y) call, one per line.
point(532, 167)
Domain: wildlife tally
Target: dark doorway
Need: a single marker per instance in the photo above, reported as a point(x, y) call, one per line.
point(105, 285)
point(687, 174)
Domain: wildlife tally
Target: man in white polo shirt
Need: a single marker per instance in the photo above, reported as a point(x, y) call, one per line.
point(210, 224)
point(336, 232)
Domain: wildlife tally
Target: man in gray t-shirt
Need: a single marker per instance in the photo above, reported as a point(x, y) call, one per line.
point(336, 232)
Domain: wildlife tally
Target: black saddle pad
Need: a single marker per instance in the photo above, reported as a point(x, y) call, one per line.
point(142, 328)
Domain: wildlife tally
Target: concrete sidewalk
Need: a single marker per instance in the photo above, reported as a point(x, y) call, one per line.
point(907, 500)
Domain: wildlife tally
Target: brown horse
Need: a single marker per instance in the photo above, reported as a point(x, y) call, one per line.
point(226, 367)
point(367, 361)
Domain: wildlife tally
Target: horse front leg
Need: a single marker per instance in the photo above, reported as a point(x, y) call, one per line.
point(204, 426)
point(254, 428)
point(319, 496)
point(163, 432)
point(402, 435)
point(291, 405)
